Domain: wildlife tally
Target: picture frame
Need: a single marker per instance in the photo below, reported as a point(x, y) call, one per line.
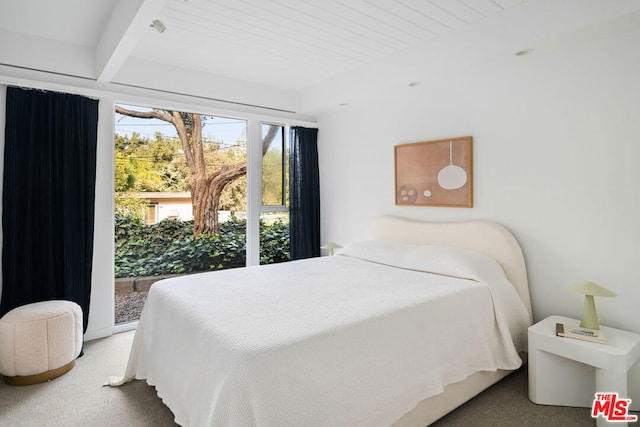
point(435, 173)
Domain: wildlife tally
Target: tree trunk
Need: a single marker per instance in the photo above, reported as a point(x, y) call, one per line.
point(205, 195)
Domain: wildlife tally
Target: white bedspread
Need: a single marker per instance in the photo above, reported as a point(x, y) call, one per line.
point(332, 341)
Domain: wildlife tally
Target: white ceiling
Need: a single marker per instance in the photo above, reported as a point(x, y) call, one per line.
point(294, 44)
point(313, 52)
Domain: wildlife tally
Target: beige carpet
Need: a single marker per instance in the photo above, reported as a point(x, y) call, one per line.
point(79, 399)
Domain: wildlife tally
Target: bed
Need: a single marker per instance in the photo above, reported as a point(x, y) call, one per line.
point(395, 330)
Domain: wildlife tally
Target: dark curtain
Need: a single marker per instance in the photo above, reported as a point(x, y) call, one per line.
point(304, 193)
point(48, 198)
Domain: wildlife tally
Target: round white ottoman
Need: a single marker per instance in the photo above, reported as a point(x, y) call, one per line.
point(39, 341)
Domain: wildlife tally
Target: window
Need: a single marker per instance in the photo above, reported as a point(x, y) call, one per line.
point(274, 212)
point(153, 163)
point(274, 167)
point(164, 154)
point(151, 214)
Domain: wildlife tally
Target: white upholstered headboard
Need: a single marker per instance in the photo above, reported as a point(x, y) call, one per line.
point(489, 238)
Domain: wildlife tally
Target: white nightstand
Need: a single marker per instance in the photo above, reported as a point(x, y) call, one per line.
point(568, 372)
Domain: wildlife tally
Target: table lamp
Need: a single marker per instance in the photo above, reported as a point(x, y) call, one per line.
point(331, 246)
point(589, 314)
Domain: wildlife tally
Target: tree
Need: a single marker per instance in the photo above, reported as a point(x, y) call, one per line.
point(143, 164)
point(206, 186)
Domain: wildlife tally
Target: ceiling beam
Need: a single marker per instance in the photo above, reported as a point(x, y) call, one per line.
point(126, 26)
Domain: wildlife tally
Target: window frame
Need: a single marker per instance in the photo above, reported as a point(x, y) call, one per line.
point(284, 140)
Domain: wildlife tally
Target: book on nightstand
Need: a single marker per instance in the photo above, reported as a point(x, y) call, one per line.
point(583, 334)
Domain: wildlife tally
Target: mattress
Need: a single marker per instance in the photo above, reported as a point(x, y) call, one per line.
point(357, 339)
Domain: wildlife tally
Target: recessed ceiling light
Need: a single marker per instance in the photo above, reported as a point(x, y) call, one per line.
point(524, 52)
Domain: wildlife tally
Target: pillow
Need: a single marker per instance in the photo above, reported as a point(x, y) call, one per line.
point(444, 260)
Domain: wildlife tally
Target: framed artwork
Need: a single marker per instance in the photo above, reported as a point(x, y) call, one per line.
point(435, 173)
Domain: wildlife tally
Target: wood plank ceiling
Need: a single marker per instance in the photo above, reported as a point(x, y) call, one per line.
point(294, 44)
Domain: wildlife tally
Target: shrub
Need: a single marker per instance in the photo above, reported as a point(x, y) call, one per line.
point(274, 242)
point(169, 246)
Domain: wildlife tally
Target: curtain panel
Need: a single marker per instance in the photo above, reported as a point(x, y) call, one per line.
point(304, 193)
point(48, 198)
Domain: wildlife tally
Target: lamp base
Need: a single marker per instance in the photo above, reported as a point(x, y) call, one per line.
point(589, 315)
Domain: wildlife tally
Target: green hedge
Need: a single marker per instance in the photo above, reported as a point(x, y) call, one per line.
point(169, 246)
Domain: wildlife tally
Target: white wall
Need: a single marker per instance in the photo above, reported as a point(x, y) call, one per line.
point(183, 211)
point(101, 318)
point(3, 101)
point(556, 152)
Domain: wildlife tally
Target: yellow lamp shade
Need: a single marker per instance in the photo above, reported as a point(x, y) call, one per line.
point(331, 246)
point(589, 314)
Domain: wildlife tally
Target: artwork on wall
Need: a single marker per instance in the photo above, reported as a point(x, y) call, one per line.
point(434, 173)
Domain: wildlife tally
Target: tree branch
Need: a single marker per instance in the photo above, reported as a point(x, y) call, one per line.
point(153, 114)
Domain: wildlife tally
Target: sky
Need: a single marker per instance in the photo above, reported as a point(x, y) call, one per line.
point(216, 128)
